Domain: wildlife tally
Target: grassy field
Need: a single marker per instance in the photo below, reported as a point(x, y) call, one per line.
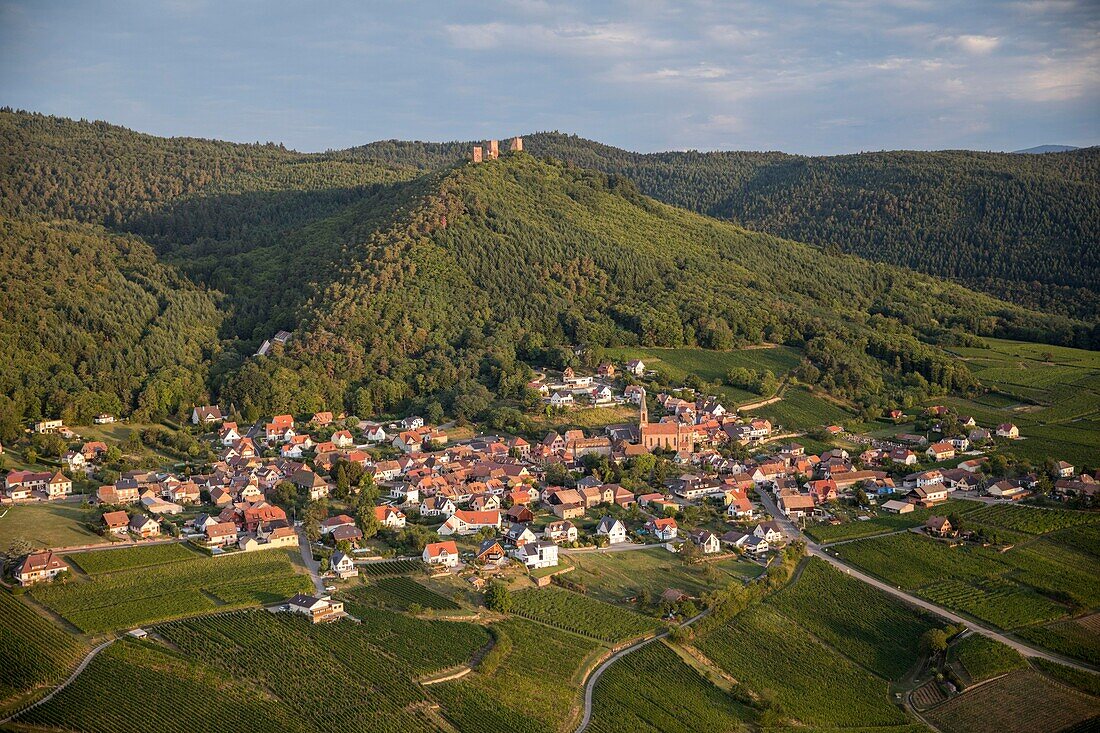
point(580, 614)
point(868, 626)
point(712, 365)
point(654, 691)
point(617, 576)
point(33, 651)
point(57, 524)
point(802, 410)
point(766, 651)
point(983, 657)
point(529, 683)
point(1009, 705)
point(1002, 588)
point(1051, 393)
point(884, 522)
point(589, 417)
point(127, 598)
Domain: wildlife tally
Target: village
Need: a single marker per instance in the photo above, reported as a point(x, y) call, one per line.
point(360, 491)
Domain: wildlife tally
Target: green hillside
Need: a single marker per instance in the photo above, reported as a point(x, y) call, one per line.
point(1022, 227)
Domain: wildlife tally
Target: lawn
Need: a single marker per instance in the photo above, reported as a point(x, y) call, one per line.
point(653, 691)
point(56, 524)
point(618, 576)
point(1023, 701)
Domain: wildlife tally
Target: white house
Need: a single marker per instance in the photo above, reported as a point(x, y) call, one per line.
point(464, 522)
point(538, 554)
point(389, 516)
point(768, 531)
point(434, 506)
point(441, 553)
point(613, 529)
point(377, 434)
point(561, 399)
point(342, 566)
point(1008, 430)
point(636, 367)
point(706, 541)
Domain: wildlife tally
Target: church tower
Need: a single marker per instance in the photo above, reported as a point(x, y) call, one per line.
point(643, 411)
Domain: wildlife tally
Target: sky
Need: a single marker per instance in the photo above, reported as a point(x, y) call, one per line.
point(802, 77)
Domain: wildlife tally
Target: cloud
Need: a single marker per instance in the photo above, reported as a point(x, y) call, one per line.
point(977, 44)
point(593, 39)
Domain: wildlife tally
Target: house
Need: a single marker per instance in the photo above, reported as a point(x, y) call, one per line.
point(345, 533)
point(342, 439)
point(441, 553)
point(342, 566)
point(561, 531)
point(520, 513)
point(978, 435)
point(706, 541)
point(796, 506)
point(757, 545)
point(561, 399)
point(464, 522)
point(435, 506)
point(635, 393)
point(103, 418)
point(928, 495)
point(664, 529)
point(1007, 490)
point(769, 531)
point(973, 465)
point(538, 554)
point(903, 456)
point(340, 520)
point(636, 367)
point(144, 526)
point(939, 527)
point(39, 566)
point(206, 414)
point(59, 485)
point(490, 552)
point(389, 516)
point(220, 533)
point(412, 422)
point(959, 442)
point(893, 506)
point(376, 434)
point(613, 529)
point(1008, 430)
point(733, 538)
point(1063, 469)
point(606, 369)
point(739, 506)
point(318, 610)
point(116, 523)
point(46, 427)
point(602, 395)
point(520, 534)
point(940, 451)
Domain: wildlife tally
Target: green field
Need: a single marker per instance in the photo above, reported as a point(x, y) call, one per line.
point(1031, 520)
point(1056, 403)
point(885, 522)
point(766, 651)
point(401, 593)
point(529, 683)
point(983, 657)
point(1009, 589)
point(56, 524)
point(1077, 638)
point(137, 596)
point(33, 651)
point(126, 558)
point(617, 576)
point(653, 691)
point(391, 567)
point(580, 614)
point(868, 626)
point(802, 410)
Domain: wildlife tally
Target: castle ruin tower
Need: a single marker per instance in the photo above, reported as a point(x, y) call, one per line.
point(475, 156)
point(516, 146)
point(494, 150)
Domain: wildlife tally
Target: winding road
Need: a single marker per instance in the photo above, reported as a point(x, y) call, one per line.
point(793, 532)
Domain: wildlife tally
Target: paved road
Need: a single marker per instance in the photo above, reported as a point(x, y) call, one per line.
point(76, 673)
point(311, 563)
point(590, 686)
point(817, 550)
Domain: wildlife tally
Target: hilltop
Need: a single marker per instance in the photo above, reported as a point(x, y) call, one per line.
point(405, 287)
point(1019, 227)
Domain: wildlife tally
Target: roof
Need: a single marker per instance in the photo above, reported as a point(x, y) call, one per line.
point(38, 561)
point(116, 519)
point(435, 549)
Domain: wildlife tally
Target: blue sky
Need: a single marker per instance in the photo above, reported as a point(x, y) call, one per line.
point(804, 77)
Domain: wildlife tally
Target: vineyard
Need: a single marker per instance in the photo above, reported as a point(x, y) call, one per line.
point(1083, 538)
point(766, 651)
point(126, 558)
point(1030, 520)
point(115, 692)
point(869, 626)
point(983, 657)
point(535, 688)
point(883, 523)
point(32, 650)
point(996, 600)
point(401, 593)
point(1008, 705)
point(1079, 638)
point(126, 598)
point(404, 566)
point(653, 691)
point(910, 561)
point(580, 614)
point(423, 647)
point(1087, 682)
point(1057, 570)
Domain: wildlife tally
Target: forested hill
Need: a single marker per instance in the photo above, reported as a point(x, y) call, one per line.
point(1022, 227)
point(411, 290)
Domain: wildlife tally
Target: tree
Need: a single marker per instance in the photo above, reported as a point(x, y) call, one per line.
point(935, 640)
point(498, 598)
point(690, 553)
point(367, 520)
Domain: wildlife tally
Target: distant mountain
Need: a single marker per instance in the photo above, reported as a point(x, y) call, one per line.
point(410, 289)
point(1048, 149)
point(1023, 228)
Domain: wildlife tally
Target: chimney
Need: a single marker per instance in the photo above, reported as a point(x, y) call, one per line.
point(494, 150)
point(476, 156)
point(516, 146)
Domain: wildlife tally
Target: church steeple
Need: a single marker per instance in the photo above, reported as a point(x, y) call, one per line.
point(643, 411)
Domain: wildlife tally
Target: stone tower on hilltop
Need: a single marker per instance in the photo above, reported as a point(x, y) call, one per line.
point(475, 156)
point(494, 150)
point(516, 146)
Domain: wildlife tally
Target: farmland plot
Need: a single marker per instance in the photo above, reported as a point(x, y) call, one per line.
point(580, 614)
point(1008, 705)
point(1031, 520)
point(1078, 638)
point(983, 657)
point(32, 650)
point(127, 558)
point(402, 593)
